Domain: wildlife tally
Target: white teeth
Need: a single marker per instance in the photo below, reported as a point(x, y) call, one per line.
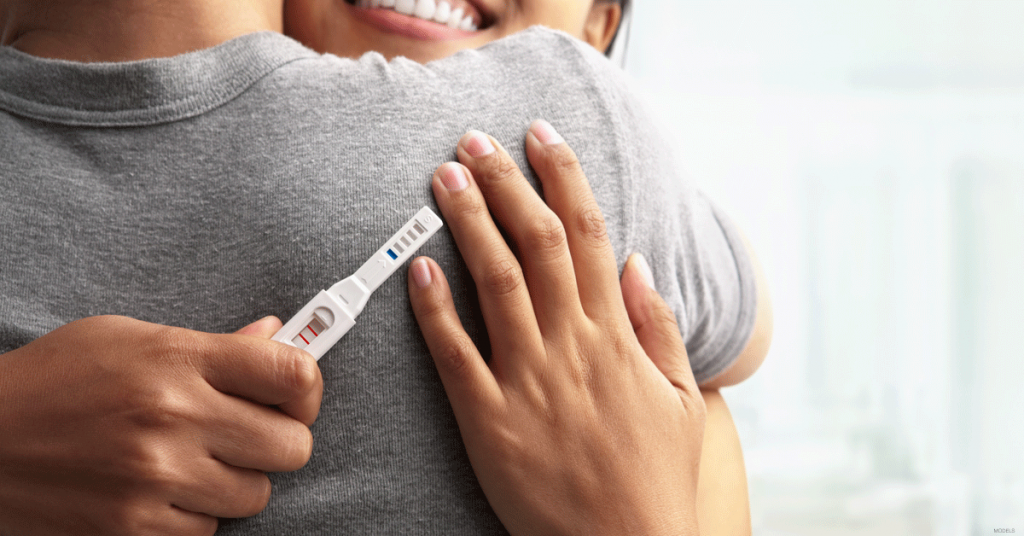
point(455, 18)
point(439, 11)
point(425, 9)
point(405, 7)
point(442, 13)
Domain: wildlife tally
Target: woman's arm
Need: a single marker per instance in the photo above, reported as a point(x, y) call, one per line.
point(723, 504)
point(586, 417)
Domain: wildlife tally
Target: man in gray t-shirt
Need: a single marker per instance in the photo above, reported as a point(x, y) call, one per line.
point(207, 189)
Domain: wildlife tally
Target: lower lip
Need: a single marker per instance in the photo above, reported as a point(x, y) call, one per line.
point(396, 23)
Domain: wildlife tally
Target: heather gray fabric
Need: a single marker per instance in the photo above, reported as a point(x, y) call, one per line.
point(213, 188)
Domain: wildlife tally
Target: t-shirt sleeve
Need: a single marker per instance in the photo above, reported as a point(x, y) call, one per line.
point(700, 264)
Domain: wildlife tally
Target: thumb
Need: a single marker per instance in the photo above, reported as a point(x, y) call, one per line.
point(263, 328)
point(655, 324)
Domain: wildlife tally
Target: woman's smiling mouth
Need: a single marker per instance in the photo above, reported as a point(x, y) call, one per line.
point(421, 19)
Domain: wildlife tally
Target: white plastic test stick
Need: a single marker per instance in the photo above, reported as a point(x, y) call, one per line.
point(329, 316)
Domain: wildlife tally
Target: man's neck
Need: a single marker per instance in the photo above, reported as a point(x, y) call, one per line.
point(126, 30)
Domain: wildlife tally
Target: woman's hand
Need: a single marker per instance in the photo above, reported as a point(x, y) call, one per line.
point(586, 419)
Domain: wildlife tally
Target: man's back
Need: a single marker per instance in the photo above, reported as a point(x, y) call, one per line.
point(206, 190)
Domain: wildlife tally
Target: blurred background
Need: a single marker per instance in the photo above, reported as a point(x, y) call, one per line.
point(873, 151)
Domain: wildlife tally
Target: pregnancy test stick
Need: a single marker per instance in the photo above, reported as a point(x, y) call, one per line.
point(328, 316)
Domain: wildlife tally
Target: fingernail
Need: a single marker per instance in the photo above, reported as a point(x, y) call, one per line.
point(645, 270)
point(420, 272)
point(478, 144)
point(545, 133)
point(454, 178)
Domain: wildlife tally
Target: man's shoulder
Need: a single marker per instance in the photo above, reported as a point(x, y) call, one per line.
point(538, 57)
point(537, 52)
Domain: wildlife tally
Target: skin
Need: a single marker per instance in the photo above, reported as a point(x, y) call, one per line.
point(334, 26)
point(200, 417)
point(587, 418)
point(113, 426)
point(93, 31)
point(127, 30)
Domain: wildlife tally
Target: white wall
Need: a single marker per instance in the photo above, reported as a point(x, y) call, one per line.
point(874, 153)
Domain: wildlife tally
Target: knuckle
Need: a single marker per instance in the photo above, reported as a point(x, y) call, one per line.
point(454, 356)
point(583, 373)
point(502, 278)
point(625, 347)
point(563, 160)
point(584, 357)
point(210, 526)
point(469, 208)
point(296, 369)
point(500, 169)
point(667, 329)
point(174, 345)
point(153, 468)
point(156, 408)
point(657, 318)
point(590, 224)
point(435, 308)
point(128, 519)
point(546, 235)
point(303, 446)
point(258, 496)
point(168, 339)
point(663, 317)
point(304, 374)
point(293, 446)
point(617, 348)
point(431, 308)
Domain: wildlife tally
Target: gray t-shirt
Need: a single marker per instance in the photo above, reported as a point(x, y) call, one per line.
point(210, 189)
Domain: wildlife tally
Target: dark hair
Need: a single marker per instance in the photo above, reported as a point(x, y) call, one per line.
point(624, 5)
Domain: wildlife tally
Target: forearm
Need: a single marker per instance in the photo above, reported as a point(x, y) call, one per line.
point(723, 504)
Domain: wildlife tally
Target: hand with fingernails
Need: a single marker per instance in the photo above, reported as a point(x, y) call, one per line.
point(113, 426)
point(585, 419)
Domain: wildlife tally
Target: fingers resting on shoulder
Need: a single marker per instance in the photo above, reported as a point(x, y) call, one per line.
point(574, 353)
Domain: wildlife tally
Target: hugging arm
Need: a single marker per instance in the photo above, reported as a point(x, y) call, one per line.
point(586, 417)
